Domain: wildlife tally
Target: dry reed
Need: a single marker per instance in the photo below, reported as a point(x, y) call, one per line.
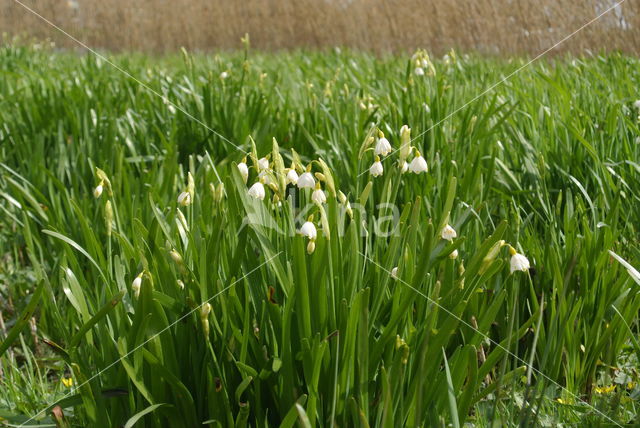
point(488, 26)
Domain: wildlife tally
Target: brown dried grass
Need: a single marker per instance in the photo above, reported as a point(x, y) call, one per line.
point(488, 26)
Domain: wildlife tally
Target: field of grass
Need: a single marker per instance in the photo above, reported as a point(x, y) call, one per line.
point(142, 282)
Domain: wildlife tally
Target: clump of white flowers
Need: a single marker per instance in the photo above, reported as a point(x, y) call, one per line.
point(422, 63)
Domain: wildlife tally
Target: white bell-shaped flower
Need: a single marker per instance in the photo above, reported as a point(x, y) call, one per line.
point(419, 71)
point(263, 163)
point(518, 261)
point(394, 273)
point(418, 164)
point(376, 169)
point(257, 190)
point(448, 233)
point(318, 196)
point(244, 171)
point(308, 229)
point(292, 176)
point(306, 181)
point(383, 147)
point(453, 255)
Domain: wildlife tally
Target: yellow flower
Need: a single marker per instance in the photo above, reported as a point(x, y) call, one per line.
point(605, 389)
point(67, 381)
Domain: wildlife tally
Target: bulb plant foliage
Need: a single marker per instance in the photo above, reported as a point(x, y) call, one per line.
point(326, 251)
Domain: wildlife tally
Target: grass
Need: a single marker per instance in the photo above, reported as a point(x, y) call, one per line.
point(546, 162)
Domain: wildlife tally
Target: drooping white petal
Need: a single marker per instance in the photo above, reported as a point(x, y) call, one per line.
point(394, 273)
point(306, 181)
point(418, 165)
point(383, 147)
point(263, 163)
point(519, 262)
point(453, 255)
point(308, 229)
point(376, 169)
point(244, 171)
point(318, 196)
point(292, 177)
point(419, 71)
point(448, 233)
point(257, 191)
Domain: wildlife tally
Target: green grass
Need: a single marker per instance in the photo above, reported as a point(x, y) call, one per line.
point(548, 162)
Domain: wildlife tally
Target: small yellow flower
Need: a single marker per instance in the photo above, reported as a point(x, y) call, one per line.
point(605, 389)
point(67, 381)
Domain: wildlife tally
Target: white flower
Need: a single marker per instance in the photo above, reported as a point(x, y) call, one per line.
point(257, 191)
point(394, 273)
point(97, 191)
point(376, 169)
point(518, 261)
point(135, 286)
point(419, 71)
point(309, 230)
point(224, 75)
point(263, 163)
point(292, 177)
point(244, 171)
point(637, 104)
point(306, 180)
point(448, 233)
point(404, 167)
point(318, 196)
point(418, 164)
point(184, 199)
point(453, 255)
point(383, 147)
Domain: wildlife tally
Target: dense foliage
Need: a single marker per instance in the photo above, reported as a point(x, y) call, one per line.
point(124, 213)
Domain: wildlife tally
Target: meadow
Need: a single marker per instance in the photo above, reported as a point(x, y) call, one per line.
point(318, 238)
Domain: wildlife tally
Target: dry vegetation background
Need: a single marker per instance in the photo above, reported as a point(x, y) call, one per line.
point(490, 26)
